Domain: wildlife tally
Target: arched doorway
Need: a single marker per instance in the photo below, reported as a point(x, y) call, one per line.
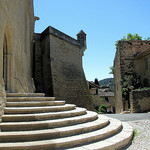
point(6, 64)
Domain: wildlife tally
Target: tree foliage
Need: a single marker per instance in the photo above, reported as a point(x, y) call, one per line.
point(111, 70)
point(130, 37)
point(129, 82)
point(102, 109)
point(96, 81)
point(148, 39)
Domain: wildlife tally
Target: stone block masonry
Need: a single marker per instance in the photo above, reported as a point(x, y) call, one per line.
point(16, 47)
point(60, 73)
point(140, 101)
point(125, 64)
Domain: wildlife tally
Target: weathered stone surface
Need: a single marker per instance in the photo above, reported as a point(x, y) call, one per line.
point(140, 101)
point(125, 64)
point(16, 45)
point(2, 97)
point(16, 41)
point(61, 74)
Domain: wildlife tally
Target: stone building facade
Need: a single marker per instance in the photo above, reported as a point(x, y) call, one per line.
point(142, 62)
point(16, 47)
point(102, 95)
point(58, 67)
point(140, 101)
point(126, 62)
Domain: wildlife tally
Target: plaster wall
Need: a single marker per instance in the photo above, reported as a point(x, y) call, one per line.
point(92, 91)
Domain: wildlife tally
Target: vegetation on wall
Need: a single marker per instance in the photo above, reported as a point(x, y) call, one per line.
point(130, 37)
point(92, 98)
point(111, 70)
point(129, 82)
point(102, 98)
point(102, 109)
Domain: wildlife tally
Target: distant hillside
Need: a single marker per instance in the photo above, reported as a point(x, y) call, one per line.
point(105, 82)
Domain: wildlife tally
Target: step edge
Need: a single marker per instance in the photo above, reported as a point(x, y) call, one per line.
point(56, 142)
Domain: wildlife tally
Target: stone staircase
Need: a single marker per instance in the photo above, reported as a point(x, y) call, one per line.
point(34, 122)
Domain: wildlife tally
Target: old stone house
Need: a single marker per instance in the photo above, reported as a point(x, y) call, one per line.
point(132, 58)
point(142, 61)
point(102, 95)
point(108, 96)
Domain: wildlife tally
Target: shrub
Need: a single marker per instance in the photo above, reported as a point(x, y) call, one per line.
point(130, 37)
point(92, 98)
point(102, 109)
point(135, 134)
point(102, 98)
point(96, 81)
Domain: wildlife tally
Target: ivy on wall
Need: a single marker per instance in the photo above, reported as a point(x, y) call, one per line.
point(129, 82)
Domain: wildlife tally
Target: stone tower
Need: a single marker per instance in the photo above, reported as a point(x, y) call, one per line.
point(81, 38)
point(58, 67)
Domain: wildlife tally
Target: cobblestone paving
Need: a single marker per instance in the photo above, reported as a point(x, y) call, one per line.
point(142, 140)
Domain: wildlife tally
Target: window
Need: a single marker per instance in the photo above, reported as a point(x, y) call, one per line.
point(106, 98)
point(146, 82)
point(146, 63)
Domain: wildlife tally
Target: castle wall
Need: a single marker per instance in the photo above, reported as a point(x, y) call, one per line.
point(62, 72)
point(37, 64)
point(124, 64)
point(16, 37)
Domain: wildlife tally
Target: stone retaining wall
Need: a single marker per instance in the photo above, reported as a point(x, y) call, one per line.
point(140, 101)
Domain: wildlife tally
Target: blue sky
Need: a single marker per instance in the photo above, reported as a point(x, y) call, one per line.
point(104, 22)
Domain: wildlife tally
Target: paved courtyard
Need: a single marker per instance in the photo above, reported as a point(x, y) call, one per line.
point(141, 124)
point(130, 117)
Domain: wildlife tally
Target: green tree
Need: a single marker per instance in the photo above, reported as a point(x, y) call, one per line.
point(130, 37)
point(96, 81)
point(111, 70)
point(129, 82)
point(102, 109)
point(148, 39)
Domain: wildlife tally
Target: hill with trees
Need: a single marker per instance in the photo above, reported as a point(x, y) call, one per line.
point(105, 82)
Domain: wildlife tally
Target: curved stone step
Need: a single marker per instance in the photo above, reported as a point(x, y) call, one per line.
point(43, 116)
point(27, 110)
point(53, 133)
point(64, 142)
point(116, 142)
point(25, 94)
point(46, 124)
point(34, 103)
point(20, 99)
